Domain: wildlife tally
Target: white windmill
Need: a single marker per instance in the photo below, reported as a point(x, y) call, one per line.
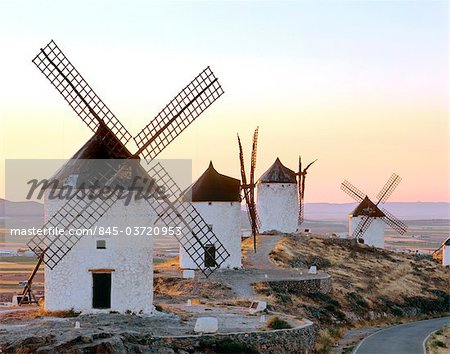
point(280, 196)
point(113, 269)
point(277, 199)
point(217, 199)
point(367, 221)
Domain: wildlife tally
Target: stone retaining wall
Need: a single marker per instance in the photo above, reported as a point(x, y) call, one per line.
point(295, 340)
point(304, 286)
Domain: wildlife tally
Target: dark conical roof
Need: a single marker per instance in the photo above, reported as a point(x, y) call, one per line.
point(212, 186)
point(91, 159)
point(278, 173)
point(367, 208)
point(97, 147)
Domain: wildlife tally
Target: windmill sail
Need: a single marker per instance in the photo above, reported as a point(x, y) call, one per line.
point(352, 191)
point(178, 114)
point(172, 120)
point(301, 188)
point(362, 227)
point(196, 235)
point(369, 210)
point(249, 189)
point(388, 188)
point(55, 66)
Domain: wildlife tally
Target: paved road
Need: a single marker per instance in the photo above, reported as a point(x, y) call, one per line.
point(403, 339)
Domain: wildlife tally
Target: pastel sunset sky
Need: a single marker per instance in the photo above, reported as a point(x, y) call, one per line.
point(362, 86)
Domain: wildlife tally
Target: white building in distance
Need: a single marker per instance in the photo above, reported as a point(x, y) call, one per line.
point(108, 271)
point(374, 235)
point(217, 199)
point(446, 253)
point(442, 254)
point(277, 199)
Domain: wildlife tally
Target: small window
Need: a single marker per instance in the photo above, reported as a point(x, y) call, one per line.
point(210, 227)
point(210, 256)
point(101, 244)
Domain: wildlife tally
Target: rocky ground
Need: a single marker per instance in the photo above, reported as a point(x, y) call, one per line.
point(29, 331)
point(225, 295)
point(371, 286)
point(439, 342)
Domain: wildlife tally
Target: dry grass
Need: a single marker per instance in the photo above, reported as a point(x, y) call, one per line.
point(61, 314)
point(380, 272)
point(187, 288)
point(439, 342)
point(327, 337)
point(369, 284)
point(171, 263)
point(15, 269)
point(275, 322)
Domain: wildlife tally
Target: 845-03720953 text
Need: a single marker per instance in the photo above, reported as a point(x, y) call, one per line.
point(101, 231)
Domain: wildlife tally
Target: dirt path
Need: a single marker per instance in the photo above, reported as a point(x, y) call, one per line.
point(260, 259)
point(259, 267)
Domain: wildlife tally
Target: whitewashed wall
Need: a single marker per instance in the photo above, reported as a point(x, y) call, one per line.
point(277, 206)
point(225, 218)
point(445, 255)
point(69, 284)
point(374, 236)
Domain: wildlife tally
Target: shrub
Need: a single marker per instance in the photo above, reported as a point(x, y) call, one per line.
point(326, 339)
point(438, 343)
point(62, 314)
point(230, 346)
point(277, 323)
point(158, 308)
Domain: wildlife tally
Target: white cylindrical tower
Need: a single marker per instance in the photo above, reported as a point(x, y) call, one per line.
point(446, 253)
point(277, 199)
point(111, 269)
point(374, 234)
point(217, 198)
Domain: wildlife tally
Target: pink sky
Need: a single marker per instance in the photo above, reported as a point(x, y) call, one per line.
point(363, 87)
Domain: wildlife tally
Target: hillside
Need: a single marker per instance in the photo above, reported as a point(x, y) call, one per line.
point(370, 285)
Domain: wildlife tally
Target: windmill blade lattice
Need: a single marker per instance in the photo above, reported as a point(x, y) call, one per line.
point(52, 62)
point(395, 223)
point(373, 209)
point(301, 206)
point(80, 212)
point(196, 234)
point(253, 159)
point(362, 227)
point(301, 183)
point(248, 189)
point(352, 191)
point(388, 188)
point(178, 114)
point(254, 213)
point(299, 191)
point(172, 120)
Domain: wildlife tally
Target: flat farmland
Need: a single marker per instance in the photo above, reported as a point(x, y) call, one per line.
point(16, 269)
